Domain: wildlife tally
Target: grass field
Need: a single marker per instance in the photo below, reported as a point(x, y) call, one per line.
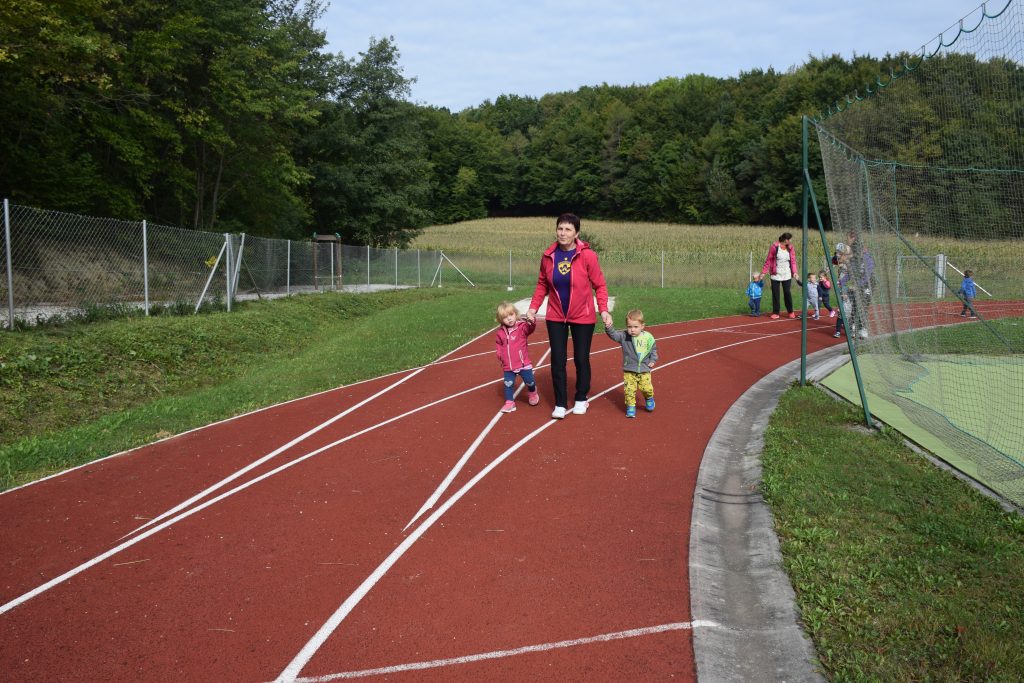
point(695, 256)
point(902, 572)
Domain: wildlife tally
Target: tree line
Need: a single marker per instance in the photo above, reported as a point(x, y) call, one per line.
point(232, 116)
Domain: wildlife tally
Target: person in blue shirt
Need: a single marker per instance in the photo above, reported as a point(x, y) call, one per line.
point(967, 292)
point(754, 291)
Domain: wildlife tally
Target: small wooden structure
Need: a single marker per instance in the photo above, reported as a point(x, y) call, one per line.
point(333, 267)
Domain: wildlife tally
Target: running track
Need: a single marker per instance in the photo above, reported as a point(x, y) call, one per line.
point(395, 529)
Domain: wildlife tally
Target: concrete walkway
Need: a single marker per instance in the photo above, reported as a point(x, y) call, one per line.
point(736, 575)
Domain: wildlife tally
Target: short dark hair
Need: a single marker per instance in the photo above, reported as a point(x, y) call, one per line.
point(968, 273)
point(785, 236)
point(570, 218)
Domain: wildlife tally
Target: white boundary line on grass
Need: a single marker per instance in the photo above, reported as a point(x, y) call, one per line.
point(294, 668)
point(498, 654)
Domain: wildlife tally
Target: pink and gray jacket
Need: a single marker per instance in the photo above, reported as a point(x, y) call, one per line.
point(512, 347)
point(771, 262)
point(586, 276)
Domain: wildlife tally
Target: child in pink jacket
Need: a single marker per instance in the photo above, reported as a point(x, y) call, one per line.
point(514, 353)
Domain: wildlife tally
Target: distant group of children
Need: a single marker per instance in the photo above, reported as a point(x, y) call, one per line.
point(817, 291)
point(639, 355)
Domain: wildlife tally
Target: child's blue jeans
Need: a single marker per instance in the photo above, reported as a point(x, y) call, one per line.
point(510, 382)
point(755, 306)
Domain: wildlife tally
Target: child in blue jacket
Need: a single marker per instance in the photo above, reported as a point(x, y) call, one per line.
point(754, 291)
point(967, 291)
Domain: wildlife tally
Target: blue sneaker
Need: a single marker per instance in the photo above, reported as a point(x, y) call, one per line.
point(630, 411)
point(649, 405)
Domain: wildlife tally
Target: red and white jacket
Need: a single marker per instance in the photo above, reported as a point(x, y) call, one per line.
point(512, 346)
point(585, 276)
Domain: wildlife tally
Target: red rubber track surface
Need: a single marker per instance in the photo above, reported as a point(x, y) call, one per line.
point(581, 532)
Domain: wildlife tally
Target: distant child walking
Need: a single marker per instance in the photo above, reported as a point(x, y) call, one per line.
point(639, 354)
point(514, 354)
point(824, 290)
point(754, 291)
point(968, 291)
point(842, 259)
point(811, 294)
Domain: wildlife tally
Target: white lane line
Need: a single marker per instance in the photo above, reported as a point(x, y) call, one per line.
point(202, 506)
point(294, 668)
point(299, 439)
point(310, 648)
point(251, 412)
point(443, 486)
point(498, 654)
point(483, 353)
point(272, 454)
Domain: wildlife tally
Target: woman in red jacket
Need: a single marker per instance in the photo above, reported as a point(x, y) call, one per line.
point(569, 272)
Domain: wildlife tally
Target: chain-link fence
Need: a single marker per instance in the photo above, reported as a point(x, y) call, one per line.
point(60, 264)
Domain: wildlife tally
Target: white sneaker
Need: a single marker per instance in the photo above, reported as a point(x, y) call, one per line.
point(558, 413)
point(580, 407)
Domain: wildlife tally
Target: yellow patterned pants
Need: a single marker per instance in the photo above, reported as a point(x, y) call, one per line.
point(634, 381)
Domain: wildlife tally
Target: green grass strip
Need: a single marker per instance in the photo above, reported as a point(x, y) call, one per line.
point(902, 572)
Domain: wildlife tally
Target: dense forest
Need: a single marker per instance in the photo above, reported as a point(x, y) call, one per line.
point(230, 115)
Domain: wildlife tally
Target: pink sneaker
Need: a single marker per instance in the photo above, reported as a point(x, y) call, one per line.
point(832, 314)
point(534, 397)
point(509, 407)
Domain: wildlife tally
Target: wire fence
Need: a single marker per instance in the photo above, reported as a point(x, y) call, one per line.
point(939, 338)
point(58, 264)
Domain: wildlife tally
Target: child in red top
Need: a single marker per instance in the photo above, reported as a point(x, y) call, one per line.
point(514, 353)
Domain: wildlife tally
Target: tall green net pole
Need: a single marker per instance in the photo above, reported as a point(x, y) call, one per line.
point(811, 200)
point(924, 171)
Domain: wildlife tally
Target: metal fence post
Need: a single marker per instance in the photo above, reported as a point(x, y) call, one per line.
point(396, 267)
point(10, 273)
point(227, 269)
point(145, 266)
point(238, 266)
point(334, 279)
point(418, 282)
point(367, 265)
point(663, 269)
point(510, 270)
point(288, 270)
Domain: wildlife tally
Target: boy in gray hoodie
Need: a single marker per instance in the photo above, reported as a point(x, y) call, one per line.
point(639, 354)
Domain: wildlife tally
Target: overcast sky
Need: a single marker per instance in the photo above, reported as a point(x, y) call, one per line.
point(463, 52)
